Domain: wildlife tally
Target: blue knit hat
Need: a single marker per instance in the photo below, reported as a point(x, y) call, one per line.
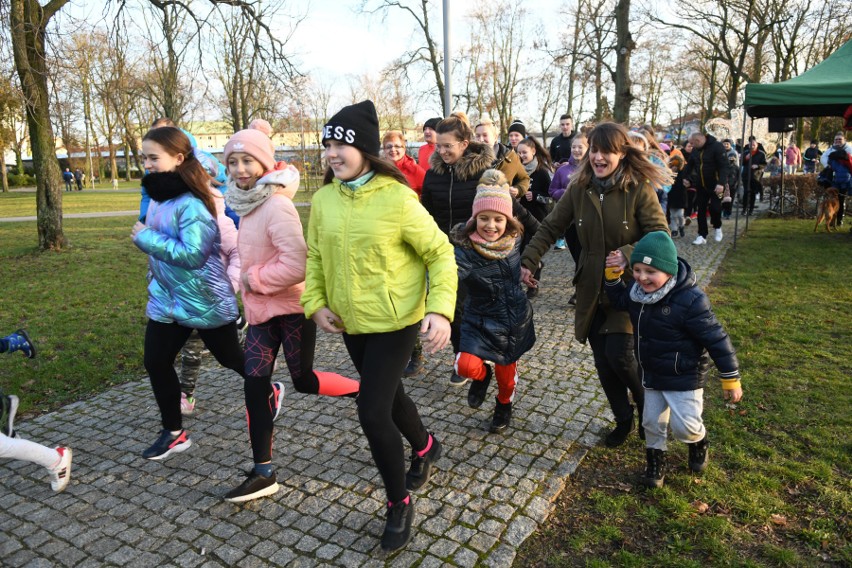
point(656, 249)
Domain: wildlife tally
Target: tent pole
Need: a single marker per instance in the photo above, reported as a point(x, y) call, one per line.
point(781, 191)
point(739, 177)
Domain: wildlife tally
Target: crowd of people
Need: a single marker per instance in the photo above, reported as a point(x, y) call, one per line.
point(406, 255)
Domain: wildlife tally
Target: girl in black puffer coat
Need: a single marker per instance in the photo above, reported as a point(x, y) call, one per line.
point(497, 325)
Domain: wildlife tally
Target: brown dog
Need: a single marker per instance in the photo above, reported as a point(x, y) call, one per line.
point(828, 210)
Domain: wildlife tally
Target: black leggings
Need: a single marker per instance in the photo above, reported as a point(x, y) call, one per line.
point(384, 409)
point(617, 368)
point(163, 342)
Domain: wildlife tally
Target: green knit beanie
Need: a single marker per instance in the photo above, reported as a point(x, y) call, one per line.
point(656, 249)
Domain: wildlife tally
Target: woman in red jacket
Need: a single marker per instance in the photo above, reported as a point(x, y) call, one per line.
point(393, 143)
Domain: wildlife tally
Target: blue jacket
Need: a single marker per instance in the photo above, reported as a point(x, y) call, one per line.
point(187, 284)
point(674, 335)
point(497, 322)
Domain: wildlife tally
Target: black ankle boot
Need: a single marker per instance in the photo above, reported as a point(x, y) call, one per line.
point(478, 389)
point(655, 470)
point(698, 455)
point(620, 433)
point(502, 417)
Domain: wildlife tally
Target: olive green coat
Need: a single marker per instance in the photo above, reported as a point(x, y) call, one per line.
point(614, 219)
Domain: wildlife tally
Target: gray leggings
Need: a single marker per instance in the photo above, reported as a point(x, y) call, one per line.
point(681, 409)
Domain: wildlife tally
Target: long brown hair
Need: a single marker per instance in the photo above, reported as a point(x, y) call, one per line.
point(191, 171)
point(382, 166)
point(612, 138)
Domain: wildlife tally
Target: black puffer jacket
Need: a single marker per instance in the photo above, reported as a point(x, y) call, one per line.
point(448, 191)
point(708, 167)
point(675, 334)
point(497, 324)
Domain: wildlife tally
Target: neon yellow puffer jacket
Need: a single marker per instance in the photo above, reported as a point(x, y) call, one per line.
point(368, 251)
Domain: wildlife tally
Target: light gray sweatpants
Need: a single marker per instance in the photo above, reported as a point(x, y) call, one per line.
point(19, 449)
point(681, 409)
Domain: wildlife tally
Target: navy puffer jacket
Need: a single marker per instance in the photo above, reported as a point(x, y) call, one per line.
point(674, 335)
point(497, 324)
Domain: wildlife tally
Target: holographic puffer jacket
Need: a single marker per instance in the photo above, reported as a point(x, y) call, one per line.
point(188, 284)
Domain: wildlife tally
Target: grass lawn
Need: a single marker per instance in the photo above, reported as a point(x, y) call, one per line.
point(778, 490)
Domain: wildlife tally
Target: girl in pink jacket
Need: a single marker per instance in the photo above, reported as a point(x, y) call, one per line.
point(273, 255)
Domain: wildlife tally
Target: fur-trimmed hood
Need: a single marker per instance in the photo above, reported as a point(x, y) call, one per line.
point(477, 158)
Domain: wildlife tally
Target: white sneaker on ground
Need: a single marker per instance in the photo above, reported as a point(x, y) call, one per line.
point(699, 240)
point(718, 235)
point(61, 474)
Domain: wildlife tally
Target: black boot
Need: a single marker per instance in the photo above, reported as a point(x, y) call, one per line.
point(655, 470)
point(698, 455)
point(502, 417)
point(415, 364)
point(476, 394)
point(620, 433)
point(398, 525)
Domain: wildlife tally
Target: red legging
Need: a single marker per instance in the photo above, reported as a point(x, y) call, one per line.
point(472, 367)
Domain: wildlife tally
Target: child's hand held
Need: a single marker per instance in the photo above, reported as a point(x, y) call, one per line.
point(328, 321)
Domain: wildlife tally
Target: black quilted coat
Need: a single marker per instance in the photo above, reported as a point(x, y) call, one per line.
point(674, 335)
point(497, 324)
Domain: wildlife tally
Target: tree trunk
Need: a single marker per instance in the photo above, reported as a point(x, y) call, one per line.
point(624, 47)
point(28, 29)
point(4, 175)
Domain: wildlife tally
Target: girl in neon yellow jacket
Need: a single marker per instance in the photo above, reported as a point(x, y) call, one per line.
point(370, 243)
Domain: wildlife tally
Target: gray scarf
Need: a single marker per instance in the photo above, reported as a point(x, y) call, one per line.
point(531, 167)
point(642, 297)
point(244, 201)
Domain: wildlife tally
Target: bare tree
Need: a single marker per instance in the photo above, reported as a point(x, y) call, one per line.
point(428, 54)
point(624, 46)
point(11, 111)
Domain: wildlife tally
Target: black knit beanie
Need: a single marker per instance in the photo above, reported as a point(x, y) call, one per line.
point(518, 126)
point(656, 249)
point(432, 123)
point(356, 125)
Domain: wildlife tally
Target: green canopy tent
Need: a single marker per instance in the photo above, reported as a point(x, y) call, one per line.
point(823, 90)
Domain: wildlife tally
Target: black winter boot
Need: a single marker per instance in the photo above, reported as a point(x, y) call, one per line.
point(655, 471)
point(476, 394)
point(502, 417)
point(620, 433)
point(415, 364)
point(698, 455)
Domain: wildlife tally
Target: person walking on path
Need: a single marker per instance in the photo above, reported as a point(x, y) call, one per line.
point(393, 144)
point(56, 461)
point(273, 254)
point(792, 158)
point(370, 243)
point(707, 173)
point(558, 186)
point(426, 150)
point(78, 178)
point(497, 325)
point(68, 178)
point(613, 201)
point(677, 327)
point(811, 158)
point(188, 284)
point(505, 158)
point(560, 146)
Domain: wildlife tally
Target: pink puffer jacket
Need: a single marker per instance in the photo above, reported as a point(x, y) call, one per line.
point(273, 252)
point(228, 232)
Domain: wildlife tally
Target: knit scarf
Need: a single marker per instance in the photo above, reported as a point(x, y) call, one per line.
point(492, 250)
point(637, 294)
point(531, 167)
point(244, 201)
point(162, 186)
point(603, 184)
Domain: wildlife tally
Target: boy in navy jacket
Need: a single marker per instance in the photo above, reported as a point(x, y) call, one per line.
point(675, 329)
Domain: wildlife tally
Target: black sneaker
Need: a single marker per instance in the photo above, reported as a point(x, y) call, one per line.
point(457, 380)
point(398, 525)
point(421, 467)
point(502, 417)
point(476, 394)
point(619, 435)
point(168, 444)
point(698, 455)
point(255, 486)
point(8, 409)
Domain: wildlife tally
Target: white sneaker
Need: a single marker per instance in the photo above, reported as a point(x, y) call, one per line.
point(699, 240)
point(718, 236)
point(61, 474)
